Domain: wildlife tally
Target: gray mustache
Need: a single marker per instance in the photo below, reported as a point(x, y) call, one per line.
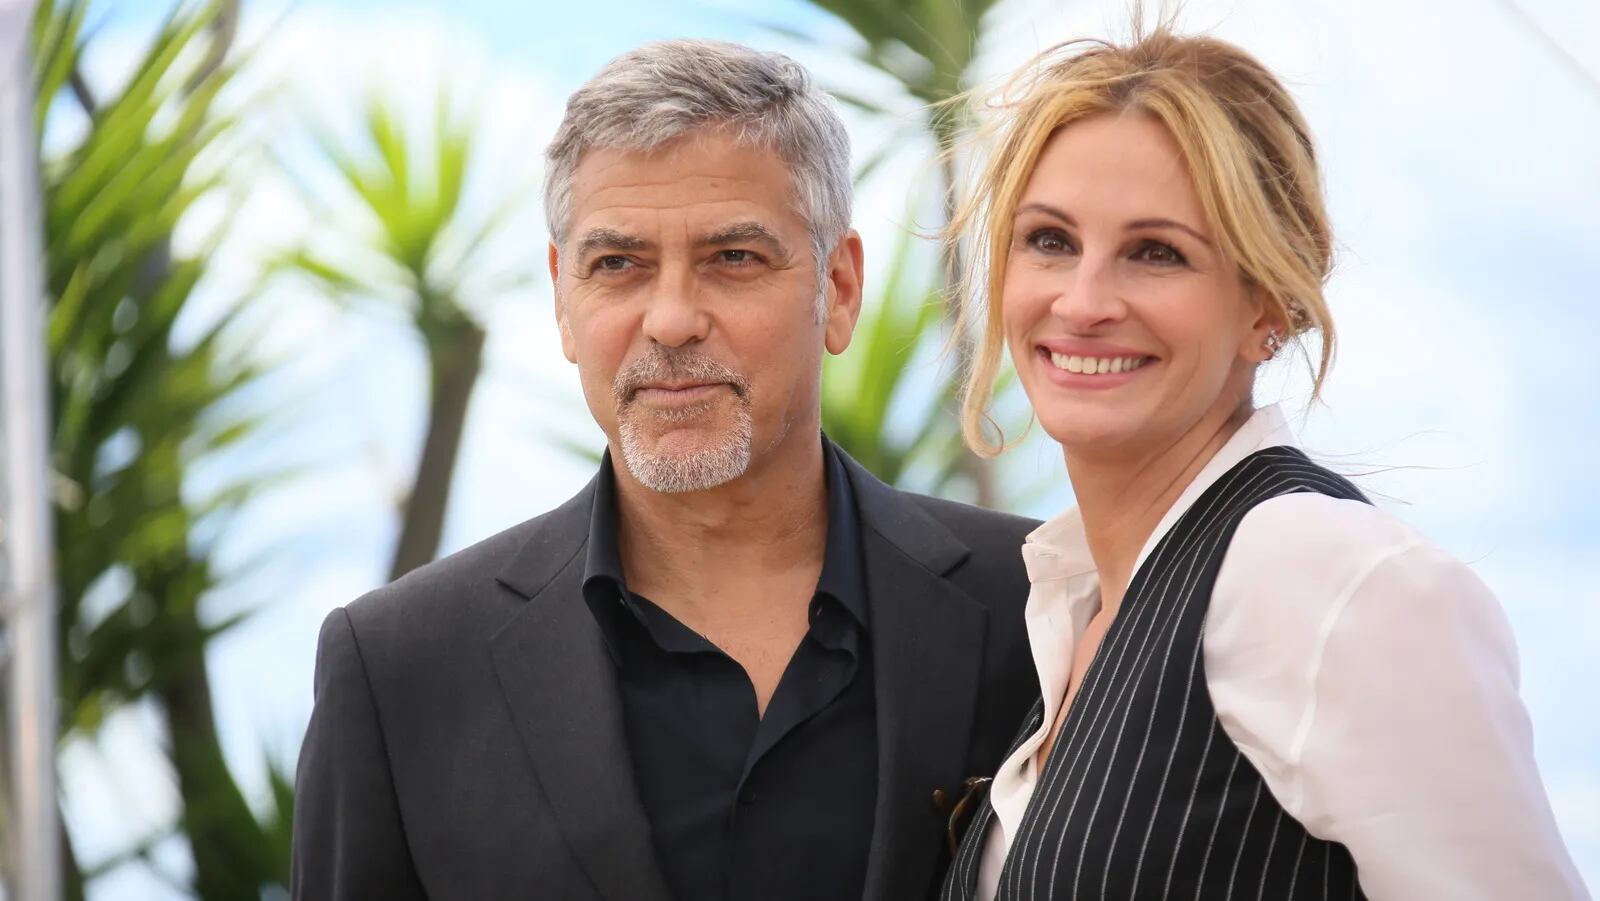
point(671, 364)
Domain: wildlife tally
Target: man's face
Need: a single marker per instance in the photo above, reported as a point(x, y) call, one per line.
point(687, 296)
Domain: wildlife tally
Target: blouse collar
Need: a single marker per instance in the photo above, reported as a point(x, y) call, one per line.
point(1059, 549)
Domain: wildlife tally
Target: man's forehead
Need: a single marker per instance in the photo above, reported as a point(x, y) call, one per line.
point(700, 182)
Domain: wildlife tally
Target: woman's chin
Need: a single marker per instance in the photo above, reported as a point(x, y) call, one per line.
point(1091, 436)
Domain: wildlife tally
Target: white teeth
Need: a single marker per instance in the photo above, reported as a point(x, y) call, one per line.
point(1097, 365)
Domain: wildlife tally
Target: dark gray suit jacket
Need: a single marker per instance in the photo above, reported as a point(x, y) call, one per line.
point(467, 738)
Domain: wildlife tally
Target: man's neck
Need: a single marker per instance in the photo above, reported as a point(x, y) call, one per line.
point(703, 556)
point(1124, 496)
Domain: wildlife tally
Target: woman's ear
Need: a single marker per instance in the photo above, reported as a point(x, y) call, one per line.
point(1268, 328)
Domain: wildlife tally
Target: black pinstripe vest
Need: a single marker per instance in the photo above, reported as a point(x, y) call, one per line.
point(1144, 795)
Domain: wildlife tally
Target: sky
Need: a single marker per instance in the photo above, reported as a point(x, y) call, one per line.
point(1460, 156)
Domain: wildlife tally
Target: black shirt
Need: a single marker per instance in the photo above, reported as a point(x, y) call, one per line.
point(745, 807)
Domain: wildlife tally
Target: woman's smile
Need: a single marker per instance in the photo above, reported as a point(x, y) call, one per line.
point(1093, 371)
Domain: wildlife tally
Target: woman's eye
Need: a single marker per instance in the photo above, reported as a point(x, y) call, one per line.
point(1049, 240)
point(1159, 253)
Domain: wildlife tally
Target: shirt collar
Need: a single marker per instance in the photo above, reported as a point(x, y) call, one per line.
point(605, 587)
point(1059, 549)
point(842, 569)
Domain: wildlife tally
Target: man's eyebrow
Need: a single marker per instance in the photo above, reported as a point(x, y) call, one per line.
point(742, 232)
point(603, 238)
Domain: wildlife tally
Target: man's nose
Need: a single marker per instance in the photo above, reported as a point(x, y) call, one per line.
point(677, 314)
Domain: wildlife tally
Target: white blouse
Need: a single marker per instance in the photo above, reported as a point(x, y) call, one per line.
point(1369, 676)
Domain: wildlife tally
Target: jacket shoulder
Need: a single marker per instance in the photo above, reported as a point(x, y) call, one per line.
point(994, 537)
point(466, 594)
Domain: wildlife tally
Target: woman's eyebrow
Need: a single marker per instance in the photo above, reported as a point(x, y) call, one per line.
point(1037, 207)
point(1146, 222)
point(1168, 223)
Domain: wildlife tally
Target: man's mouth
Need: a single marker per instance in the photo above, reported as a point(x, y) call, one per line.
point(676, 393)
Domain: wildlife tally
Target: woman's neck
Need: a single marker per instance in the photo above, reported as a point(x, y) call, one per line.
point(1124, 495)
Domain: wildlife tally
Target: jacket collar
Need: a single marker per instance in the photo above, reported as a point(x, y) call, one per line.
point(928, 638)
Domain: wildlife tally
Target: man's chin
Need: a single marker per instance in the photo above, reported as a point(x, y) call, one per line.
point(683, 440)
point(681, 457)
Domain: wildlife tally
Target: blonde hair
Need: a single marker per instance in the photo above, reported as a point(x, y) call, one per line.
point(1244, 141)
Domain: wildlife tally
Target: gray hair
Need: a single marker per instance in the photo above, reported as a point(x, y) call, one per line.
point(663, 90)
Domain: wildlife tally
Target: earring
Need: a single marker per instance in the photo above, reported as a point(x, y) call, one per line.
point(1273, 342)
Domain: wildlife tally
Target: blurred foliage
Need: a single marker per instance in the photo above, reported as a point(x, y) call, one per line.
point(417, 249)
point(927, 47)
point(138, 401)
point(873, 404)
point(135, 406)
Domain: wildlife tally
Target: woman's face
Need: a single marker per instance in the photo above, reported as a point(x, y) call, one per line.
point(1127, 326)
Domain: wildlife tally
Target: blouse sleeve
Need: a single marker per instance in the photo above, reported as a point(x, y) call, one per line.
point(1372, 679)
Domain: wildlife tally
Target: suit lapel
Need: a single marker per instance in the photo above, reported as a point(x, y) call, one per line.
point(928, 641)
point(560, 685)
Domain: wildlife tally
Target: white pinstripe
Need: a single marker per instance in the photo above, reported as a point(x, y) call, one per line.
point(1211, 843)
point(1124, 663)
point(1161, 562)
point(1054, 782)
point(1196, 562)
point(1272, 845)
point(1183, 825)
point(1244, 837)
point(1294, 874)
point(1165, 561)
point(964, 866)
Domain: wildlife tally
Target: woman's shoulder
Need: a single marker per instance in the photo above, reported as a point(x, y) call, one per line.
point(1307, 575)
point(1313, 545)
point(1292, 531)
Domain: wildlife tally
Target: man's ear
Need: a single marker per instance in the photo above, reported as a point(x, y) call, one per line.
point(568, 348)
point(843, 296)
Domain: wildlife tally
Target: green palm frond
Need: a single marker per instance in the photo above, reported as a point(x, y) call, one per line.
point(890, 400)
point(134, 408)
point(422, 246)
point(926, 45)
point(928, 48)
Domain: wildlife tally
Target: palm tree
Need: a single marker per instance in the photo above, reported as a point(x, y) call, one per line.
point(422, 252)
point(134, 409)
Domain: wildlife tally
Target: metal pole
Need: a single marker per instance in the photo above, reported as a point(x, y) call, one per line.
point(27, 559)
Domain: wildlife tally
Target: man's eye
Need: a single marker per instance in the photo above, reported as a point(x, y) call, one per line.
point(1049, 240)
point(613, 263)
point(1159, 253)
point(736, 257)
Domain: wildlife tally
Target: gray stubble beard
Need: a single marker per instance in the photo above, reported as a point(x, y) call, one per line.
point(722, 462)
